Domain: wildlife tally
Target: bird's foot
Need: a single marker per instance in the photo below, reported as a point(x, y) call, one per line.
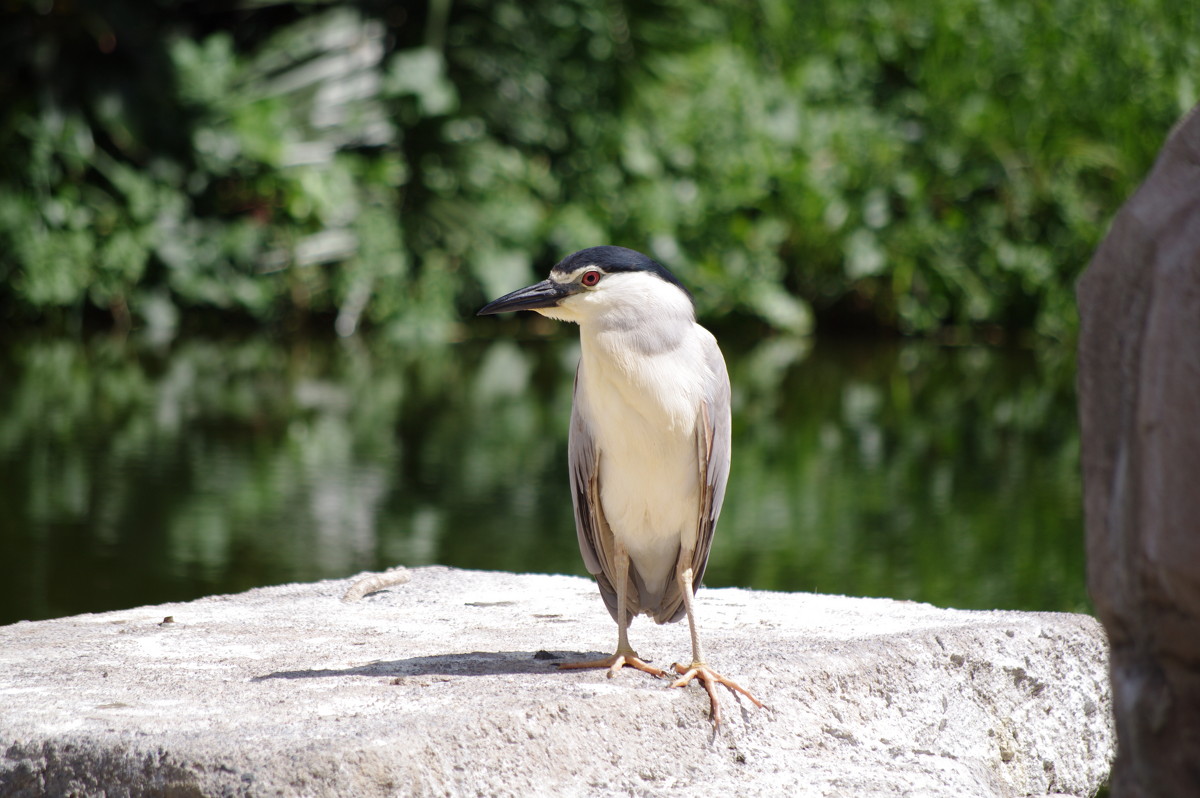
point(615, 663)
point(710, 679)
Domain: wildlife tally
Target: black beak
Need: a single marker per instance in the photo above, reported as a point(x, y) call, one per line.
point(545, 294)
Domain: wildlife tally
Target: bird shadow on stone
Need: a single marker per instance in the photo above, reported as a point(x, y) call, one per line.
point(476, 663)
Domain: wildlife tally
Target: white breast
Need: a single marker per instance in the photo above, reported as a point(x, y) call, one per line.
point(643, 412)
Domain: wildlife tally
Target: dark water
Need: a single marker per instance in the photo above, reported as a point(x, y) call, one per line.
point(133, 474)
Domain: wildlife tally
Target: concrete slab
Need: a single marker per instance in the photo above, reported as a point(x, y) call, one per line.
point(447, 685)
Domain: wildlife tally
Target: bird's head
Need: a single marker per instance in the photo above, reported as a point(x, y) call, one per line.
point(598, 283)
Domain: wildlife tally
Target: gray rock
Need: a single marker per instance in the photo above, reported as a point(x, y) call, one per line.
point(1139, 407)
point(447, 685)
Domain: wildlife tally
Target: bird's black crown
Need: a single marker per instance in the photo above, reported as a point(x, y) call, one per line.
point(618, 259)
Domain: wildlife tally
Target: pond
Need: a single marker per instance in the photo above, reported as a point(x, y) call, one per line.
point(135, 472)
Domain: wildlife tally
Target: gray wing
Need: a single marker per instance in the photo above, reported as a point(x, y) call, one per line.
point(713, 449)
point(714, 444)
point(595, 538)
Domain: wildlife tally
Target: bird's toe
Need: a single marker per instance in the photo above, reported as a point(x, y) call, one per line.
point(710, 679)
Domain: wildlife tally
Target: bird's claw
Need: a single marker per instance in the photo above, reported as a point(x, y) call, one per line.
point(710, 678)
point(615, 663)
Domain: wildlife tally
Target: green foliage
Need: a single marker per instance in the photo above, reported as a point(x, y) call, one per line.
point(911, 165)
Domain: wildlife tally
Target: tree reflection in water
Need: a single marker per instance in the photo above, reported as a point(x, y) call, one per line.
point(133, 474)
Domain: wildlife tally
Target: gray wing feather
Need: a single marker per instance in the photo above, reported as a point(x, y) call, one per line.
point(595, 538)
point(713, 449)
point(716, 433)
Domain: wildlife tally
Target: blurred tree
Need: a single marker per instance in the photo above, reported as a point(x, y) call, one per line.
point(907, 165)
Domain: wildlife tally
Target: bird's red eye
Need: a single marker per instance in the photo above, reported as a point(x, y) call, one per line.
point(590, 278)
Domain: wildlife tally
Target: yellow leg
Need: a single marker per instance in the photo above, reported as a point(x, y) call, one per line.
point(698, 669)
point(625, 655)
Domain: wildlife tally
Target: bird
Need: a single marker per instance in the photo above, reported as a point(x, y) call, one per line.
point(649, 442)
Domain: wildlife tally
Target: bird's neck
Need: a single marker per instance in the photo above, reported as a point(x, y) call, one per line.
point(623, 334)
point(647, 365)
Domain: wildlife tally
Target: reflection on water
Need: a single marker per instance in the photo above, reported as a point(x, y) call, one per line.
point(131, 474)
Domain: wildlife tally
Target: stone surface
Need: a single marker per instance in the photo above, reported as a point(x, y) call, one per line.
point(1139, 402)
point(447, 685)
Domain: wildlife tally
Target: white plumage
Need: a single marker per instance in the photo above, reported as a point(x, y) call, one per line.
point(649, 439)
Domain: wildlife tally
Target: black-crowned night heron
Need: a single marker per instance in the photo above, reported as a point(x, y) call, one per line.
point(649, 441)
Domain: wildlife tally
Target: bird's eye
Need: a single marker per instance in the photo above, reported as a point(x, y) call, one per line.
point(590, 278)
